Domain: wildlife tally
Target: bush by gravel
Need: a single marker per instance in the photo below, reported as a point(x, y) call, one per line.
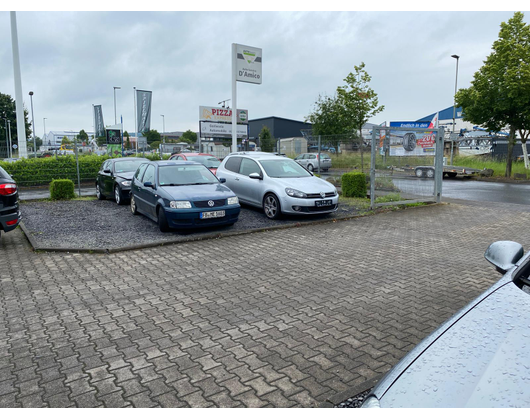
point(92, 224)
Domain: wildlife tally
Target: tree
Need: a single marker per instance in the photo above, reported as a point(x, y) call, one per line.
point(152, 136)
point(189, 137)
point(499, 95)
point(358, 101)
point(8, 111)
point(326, 118)
point(66, 140)
point(83, 136)
point(266, 142)
point(128, 140)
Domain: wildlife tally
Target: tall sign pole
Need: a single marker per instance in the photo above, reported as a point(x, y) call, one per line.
point(234, 98)
point(135, 123)
point(246, 67)
point(21, 121)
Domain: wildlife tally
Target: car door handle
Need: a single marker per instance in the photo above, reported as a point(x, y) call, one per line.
point(237, 179)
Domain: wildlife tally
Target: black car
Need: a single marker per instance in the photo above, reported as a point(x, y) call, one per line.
point(9, 211)
point(114, 178)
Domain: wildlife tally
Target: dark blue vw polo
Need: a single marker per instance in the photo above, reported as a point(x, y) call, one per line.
point(182, 194)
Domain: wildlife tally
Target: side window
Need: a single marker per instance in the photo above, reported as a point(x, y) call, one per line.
point(140, 171)
point(248, 167)
point(180, 158)
point(106, 165)
point(232, 164)
point(299, 157)
point(149, 175)
point(312, 157)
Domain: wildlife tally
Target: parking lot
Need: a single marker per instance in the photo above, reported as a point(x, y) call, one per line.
point(284, 318)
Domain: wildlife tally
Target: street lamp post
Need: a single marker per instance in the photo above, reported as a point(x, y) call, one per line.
point(454, 107)
point(7, 138)
point(33, 126)
point(163, 127)
point(44, 123)
point(115, 118)
point(10, 142)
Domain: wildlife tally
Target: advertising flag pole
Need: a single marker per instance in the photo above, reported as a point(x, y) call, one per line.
point(234, 98)
point(135, 123)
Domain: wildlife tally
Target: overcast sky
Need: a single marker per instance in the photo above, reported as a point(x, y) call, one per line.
point(72, 60)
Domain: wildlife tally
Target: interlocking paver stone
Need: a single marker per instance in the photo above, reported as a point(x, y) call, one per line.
point(248, 328)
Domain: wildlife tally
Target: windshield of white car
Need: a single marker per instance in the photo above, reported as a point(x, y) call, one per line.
point(208, 161)
point(179, 175)
point(284, 169)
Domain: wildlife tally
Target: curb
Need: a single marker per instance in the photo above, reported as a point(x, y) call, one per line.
point(217, 235)
point(343, 396)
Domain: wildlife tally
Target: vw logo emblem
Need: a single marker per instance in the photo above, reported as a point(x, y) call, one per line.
point(322, 194)
point(211, 203)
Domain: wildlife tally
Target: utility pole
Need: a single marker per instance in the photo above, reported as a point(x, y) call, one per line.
point(10, 142)
point(115, 117)
point(33, 126)
point(21, 120)
point(163, 127)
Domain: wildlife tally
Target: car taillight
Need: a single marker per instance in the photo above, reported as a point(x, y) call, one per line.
point(12, 222)
point(8, 189)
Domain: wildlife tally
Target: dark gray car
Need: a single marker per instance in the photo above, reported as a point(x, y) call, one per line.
point(479, 357)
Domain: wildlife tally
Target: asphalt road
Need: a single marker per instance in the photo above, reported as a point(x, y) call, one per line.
point(463, 189)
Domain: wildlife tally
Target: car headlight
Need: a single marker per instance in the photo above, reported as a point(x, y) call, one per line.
point(371, 402)
point(291, 192)
point(180, 204)
point(232, 200)
point(126, 183)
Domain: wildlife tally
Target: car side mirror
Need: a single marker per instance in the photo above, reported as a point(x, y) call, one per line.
point(222, 180)
point(149, 184)
point(107, 171)
point(255, 176)
point(504, 254)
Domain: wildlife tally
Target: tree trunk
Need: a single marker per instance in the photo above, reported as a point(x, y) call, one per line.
point(511, 143)
point(362, 147)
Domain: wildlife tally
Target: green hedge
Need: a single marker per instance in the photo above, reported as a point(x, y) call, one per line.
point(62, 189)
point(354, 184)
point(41, 171)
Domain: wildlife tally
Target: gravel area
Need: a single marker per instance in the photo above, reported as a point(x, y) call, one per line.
point(355, 401)
point(93, 224)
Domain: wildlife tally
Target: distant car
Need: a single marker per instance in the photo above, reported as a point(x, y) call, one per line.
point(210, 161)
point(479, 357)
point(11, 160)
point(277, 184)
point(182, 195)
point(310, 161)
point(9, 210)
point(114, 178)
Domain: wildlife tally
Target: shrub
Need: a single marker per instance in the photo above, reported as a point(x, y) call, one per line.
point(354, 184)
point(62, 189)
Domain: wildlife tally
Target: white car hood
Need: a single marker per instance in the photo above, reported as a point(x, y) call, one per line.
point(308, 185)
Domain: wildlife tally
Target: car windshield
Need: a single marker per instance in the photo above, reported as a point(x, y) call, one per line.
point(176, 175)
point(208, 161)
point(127, 166)
point(284, 168)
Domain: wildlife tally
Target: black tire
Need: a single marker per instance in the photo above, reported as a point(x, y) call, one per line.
point(451, 175)
point(162, 221)
point(409, 142)
point(271, 207)
point(310, 168)
point(99, 195)
point(134, 210)
point(117, 195)
point(430, 173)
point(419, 172)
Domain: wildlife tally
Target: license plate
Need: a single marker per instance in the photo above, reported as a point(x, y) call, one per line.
point(323, 203)
point(212, 214)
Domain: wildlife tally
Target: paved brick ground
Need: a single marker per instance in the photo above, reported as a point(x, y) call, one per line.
point(282, 318)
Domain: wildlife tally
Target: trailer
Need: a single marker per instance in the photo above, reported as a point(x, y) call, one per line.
point(449, 171)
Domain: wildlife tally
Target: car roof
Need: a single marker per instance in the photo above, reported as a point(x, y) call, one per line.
point(175, 162)
point(120, 159)
point(259, 155)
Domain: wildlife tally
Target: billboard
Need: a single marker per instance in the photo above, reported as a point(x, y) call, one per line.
point(248, 64)
point(113, 136)
point(98, 119)
point(211, 113)
point(212, 129)
point(413, 143)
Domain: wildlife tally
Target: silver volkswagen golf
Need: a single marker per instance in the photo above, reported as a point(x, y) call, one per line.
point(277, 184)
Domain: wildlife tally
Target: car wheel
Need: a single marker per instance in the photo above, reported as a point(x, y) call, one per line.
point(430, 173)
point(117, 196)
point(98, 193)
point(134, 210)
point(310, 168)
point(451, 175)
point(162, 221)
point(271, 206)
point(419, 173)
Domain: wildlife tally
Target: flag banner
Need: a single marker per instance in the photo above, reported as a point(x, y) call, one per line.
point(143, 101)
point(98, 118)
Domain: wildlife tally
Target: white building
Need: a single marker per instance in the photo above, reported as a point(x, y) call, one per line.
point(55, 138)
